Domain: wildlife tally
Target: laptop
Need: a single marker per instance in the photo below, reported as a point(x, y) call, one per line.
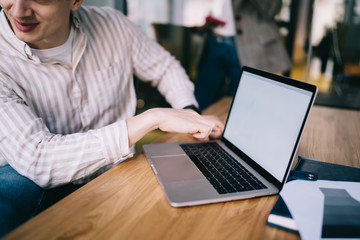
point(254, 156)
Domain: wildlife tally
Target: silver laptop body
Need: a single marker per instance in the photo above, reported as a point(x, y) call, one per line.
point(262, 133)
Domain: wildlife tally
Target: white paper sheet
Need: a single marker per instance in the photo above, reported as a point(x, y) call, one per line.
point(305, 201)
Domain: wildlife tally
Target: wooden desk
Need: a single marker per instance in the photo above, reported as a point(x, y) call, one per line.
point(127, 202)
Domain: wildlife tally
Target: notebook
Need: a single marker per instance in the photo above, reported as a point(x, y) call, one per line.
point(254, 155)
point(280, 215)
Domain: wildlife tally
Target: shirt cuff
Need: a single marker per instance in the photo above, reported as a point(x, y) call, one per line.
point(115, 142)
point(193, 107)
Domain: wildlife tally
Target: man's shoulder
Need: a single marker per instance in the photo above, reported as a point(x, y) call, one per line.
point(93, 13)
point(102, 19)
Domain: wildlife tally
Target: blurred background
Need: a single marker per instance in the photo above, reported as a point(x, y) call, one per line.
point(322, 38)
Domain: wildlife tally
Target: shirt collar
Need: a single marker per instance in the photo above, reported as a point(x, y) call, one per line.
point(11, 40)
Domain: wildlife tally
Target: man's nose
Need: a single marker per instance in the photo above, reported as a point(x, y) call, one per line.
point(21, 8)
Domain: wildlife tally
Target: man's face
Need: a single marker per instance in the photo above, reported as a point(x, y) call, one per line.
point(40, 23)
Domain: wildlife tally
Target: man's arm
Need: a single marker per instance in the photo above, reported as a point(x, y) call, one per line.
point(51, 159)
point(54, 159)
point(173, 120)
point(152, 63)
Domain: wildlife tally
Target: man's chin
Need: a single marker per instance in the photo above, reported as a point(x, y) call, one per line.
point(27, 38)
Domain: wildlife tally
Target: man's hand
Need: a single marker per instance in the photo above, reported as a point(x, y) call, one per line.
point(174, 120)
point(217, 129)
point(188, 121)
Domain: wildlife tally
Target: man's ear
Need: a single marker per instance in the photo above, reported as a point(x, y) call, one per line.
point(76, 4)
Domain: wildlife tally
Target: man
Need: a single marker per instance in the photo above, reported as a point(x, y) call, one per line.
point(219, 58)
point(260, 44)
point(67, 99)
point(245, 34)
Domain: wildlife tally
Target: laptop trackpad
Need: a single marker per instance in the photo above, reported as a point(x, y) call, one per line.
point(176, 168)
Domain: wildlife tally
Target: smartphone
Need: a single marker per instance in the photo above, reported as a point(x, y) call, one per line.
point(216, 21)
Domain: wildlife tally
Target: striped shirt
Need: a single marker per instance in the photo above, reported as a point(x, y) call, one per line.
point(61, 123)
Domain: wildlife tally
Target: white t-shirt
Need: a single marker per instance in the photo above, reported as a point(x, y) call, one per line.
point(222, 9)
point(62, 53)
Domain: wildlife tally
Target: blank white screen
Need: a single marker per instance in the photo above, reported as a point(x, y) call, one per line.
point(265, 121)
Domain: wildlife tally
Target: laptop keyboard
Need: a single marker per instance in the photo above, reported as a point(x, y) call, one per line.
point(225, 173)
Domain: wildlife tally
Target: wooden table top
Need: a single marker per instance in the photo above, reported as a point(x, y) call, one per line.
point(127, 202)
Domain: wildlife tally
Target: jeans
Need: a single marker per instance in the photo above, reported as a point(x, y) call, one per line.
point(219, 60)
point(21, 199)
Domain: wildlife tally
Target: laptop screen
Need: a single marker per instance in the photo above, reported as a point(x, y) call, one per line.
point(265, 121)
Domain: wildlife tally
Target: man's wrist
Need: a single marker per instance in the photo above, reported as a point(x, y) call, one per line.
point(193, 107)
